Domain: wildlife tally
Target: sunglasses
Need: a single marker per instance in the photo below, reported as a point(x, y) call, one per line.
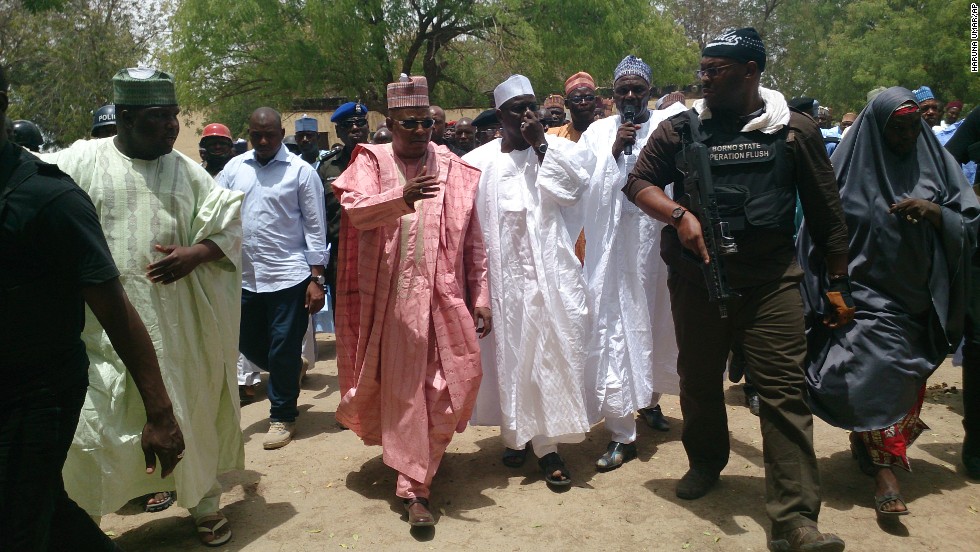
point(351, 123)
point(412, 124)
point(519, 109)
point(581, 99)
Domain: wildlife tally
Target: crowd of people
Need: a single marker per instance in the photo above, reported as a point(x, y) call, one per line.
point(524, 269)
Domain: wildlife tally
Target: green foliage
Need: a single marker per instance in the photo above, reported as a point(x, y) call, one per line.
point(60, 57)
point(273, 52)
point(898, 42)
point(584, 35)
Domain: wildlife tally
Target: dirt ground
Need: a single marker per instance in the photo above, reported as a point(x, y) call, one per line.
point(327, 491)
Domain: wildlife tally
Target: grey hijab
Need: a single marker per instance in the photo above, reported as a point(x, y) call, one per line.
point(909, 281)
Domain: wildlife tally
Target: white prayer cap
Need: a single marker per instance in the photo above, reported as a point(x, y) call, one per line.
point(515, 85)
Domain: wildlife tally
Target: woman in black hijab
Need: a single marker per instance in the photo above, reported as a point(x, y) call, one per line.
point(912, 220)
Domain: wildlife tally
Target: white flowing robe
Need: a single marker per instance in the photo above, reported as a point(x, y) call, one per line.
point(634, 352)
point(193, 324)
point(534, 361)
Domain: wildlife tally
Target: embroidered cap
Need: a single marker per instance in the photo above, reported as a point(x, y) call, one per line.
point(554, 100)
point(670, 99)
point(632, 65)
point(579, 80)
point(923, 93)
point(408, 92)
point(143, 86)
point(743, 44)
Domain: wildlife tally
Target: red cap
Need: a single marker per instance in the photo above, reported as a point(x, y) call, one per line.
point(216, 129)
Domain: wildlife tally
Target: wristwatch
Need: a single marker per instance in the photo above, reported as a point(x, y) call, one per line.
point(321, 280)
point(676, 214)
point(543, 148)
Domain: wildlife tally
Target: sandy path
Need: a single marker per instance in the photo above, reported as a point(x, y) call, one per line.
point(327, 491)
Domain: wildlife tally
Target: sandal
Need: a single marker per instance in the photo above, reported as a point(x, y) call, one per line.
point(164, 500)
point(514, 458)
point(419, 514)
point(860, 453)
point(551, 463)
point(885, 499)
point(214, 535)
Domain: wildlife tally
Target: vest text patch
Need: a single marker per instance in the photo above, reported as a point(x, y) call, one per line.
point(742, 151)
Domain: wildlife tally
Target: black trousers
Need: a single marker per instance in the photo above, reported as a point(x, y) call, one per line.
point(768, 321)
point(971, 368)
point(37, 423)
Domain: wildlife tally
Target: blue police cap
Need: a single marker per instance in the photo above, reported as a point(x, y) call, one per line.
point(306, 124)
point(348, 110)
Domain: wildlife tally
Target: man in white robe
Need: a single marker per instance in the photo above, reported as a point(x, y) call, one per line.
point(534, 364)
point(176, 237)
point(634, 353)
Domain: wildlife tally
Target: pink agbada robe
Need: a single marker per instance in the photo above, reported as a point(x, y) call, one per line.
point(399, 272)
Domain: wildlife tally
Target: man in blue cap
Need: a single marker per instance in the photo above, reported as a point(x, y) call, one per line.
point(928, 105)
point(307, 140)
point(352, 129)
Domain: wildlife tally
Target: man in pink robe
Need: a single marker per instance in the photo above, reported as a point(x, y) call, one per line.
point(412, 296)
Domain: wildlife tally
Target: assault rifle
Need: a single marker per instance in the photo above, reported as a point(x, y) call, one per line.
point(699, 191)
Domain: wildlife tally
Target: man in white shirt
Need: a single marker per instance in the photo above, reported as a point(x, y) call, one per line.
point(283, 257)
point(533, 363)
point(634, 356)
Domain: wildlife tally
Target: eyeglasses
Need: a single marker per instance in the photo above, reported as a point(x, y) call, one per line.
point(519, 109)
point(581, 99)
point(412, 124)
point(351, 123)
point(711, 72)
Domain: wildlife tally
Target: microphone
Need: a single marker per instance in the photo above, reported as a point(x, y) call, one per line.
point(629, 113)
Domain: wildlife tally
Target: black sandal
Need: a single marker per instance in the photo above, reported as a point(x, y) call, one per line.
point(514, 458)
point(551, 463)
point(885, 499)
point(168, 501)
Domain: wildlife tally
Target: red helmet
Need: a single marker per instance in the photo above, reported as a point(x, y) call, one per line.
point(216, 129)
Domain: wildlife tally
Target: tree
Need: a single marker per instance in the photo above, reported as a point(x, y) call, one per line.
point(898, 42)
point(584, 35)
point(274, 52)
point(255, 51)
point(60, 56)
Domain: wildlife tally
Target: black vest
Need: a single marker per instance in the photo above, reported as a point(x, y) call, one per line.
point(751, 173)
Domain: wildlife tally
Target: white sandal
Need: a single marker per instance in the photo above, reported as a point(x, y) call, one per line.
point(217, 538)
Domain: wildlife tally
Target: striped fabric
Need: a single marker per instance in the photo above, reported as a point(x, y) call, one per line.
point(393, 284)
point(408, 92)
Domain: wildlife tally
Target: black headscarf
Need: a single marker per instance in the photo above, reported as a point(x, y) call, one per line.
point(909, 280)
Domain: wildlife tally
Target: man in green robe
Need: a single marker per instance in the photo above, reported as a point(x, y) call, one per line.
point(176, 238)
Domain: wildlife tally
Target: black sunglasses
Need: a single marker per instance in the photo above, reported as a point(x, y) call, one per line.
point(412, 124)
point(519, 109)
point(581, 99)
point(351, 123)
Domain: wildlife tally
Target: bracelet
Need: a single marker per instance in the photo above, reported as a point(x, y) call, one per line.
point(835, 277)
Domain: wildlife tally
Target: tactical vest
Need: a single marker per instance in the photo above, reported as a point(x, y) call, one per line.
point(751, 172)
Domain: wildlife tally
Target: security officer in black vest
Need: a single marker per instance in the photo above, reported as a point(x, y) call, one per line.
point(761, 155)
point(352, 129)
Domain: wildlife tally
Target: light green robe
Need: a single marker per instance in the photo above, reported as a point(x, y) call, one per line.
point(193, 323)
